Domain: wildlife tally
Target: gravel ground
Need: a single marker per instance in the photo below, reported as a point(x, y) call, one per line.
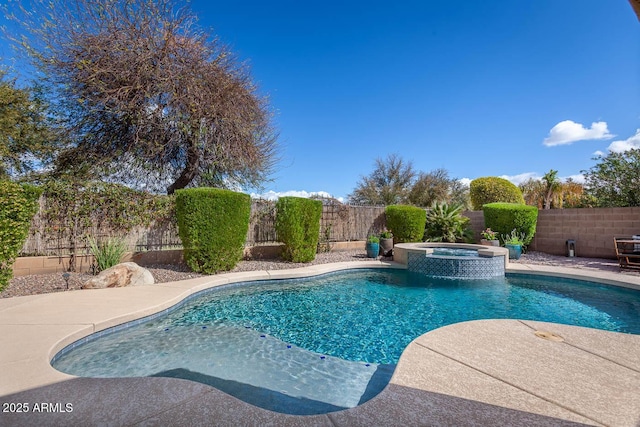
point(45, 283)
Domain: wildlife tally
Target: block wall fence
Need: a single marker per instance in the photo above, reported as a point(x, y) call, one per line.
point(593, 229)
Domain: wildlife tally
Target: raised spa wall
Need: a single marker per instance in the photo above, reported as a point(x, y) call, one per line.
point(491, 262)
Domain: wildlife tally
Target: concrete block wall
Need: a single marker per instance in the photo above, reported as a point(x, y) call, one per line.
point(592, 229)
point(25, 266)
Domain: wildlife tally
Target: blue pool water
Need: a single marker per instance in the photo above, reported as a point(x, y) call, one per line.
point(455, 252)
point(326, 343)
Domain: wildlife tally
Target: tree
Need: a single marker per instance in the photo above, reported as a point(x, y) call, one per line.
point(459, 194)
point(533, 192)
point(615, 180)
point(552, 187)
point(388, 184)
point(437, 186)
point(492, 189)
point(573, 195)
point(149, 98)
point(543, 193)
point(27, 139)
point(568, 194)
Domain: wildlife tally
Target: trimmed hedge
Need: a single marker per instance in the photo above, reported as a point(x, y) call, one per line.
point(406, 222)
point(298, 227)
point(504, 217)
point(492, 189)
point(18, 205)
point(213, 225)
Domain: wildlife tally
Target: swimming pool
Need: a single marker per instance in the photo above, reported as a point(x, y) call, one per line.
point(330, 342)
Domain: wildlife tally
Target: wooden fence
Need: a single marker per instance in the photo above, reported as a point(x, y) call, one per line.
point(339, 223)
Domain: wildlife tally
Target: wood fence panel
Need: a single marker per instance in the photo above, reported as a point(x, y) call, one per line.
point(338, 223)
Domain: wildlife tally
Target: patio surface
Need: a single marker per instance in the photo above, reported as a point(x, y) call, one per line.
point(489, 372)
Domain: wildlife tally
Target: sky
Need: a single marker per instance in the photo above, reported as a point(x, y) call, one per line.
point(479, 88)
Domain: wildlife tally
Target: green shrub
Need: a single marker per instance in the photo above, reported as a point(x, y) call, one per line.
point(503, 218)
point(492, 189)
point(213, 225)
point(406, 222)
point(298, 227)
point(446, 224)
point(18, 205)
point(373, 239)
point(107, 253)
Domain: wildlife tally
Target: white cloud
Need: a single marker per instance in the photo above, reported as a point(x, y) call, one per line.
point(520, 178)
point(598, 153)
point(465, 181)
point(568, 132)
point(627, 144)
point(275, 195)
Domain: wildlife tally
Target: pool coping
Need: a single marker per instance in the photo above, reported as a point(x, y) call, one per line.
point(479, 370)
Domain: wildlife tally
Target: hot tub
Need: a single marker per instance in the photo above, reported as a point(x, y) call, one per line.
point(453, 260)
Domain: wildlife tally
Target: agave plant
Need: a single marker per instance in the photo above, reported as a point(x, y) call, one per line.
point(446, 224)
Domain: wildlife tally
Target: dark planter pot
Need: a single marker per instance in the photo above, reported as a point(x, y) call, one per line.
point(386, 246)
point(372, 250)
point(486, 242)
point(514, 251)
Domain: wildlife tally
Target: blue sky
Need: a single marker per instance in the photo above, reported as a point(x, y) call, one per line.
point(496, 87)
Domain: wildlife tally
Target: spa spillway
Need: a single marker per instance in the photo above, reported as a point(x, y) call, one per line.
point(453, 260)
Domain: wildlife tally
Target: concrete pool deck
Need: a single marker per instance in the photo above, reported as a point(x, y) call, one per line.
point(487, 372)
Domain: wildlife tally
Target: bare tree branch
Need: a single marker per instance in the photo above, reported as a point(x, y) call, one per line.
point(148, 95)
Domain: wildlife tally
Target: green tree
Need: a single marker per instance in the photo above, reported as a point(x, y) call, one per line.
point(615, 180)
point(27, 139)
point(568, 194)
point(149, 97)
point(437, 186)
point(388, 184)
point(552, 187)
point(459, 194)
point(492, 189)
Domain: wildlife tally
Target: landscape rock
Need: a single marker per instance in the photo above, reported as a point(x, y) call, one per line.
point(124, 274)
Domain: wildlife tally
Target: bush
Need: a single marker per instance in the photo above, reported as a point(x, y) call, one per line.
point(446, 224)
point(107, 253)
point(492, 189)
point(298, 227)
point(18, 205)
point(503, 218)
point(406, 222)
point(213, 225)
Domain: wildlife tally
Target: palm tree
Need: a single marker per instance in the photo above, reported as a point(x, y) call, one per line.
point(553, 186)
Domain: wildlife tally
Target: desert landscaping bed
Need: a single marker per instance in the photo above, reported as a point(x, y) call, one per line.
point(45, 283)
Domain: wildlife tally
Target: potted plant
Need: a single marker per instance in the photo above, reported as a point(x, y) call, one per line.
point(386, 243)
point(514, 242)
point(489, 238)
point(373, 246)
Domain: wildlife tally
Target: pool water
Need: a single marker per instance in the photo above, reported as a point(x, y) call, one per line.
point(455, 252)
point(321, 344)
